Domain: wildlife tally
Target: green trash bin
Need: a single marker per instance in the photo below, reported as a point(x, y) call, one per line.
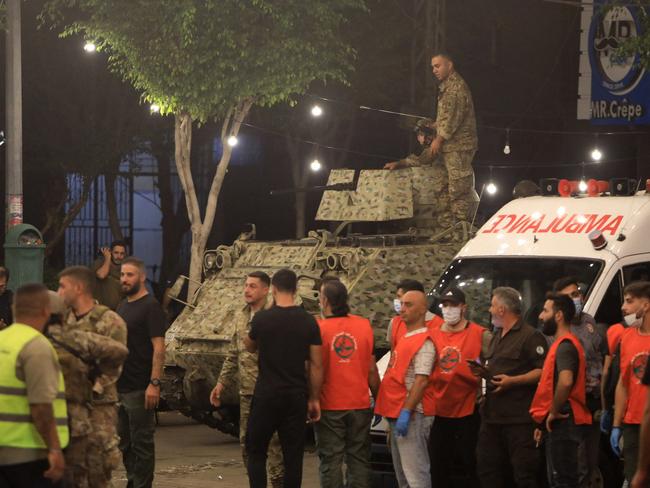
point(24, 255)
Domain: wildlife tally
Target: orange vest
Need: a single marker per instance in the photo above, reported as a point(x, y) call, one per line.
point(398, 328)
point(454, 385)
point(614, 334)
point(393, 392)
point(635, 349)
point(347, 356)
point(543, 399)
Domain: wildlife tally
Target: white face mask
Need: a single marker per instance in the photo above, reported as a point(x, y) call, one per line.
point(397, 305)
point(451, 315)
point(630, 319)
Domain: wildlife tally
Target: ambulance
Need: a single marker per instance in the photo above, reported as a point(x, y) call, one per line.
point(580, 229)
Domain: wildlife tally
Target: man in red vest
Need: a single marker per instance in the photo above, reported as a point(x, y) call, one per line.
point(397, 327)
point(630, 392)
point(349, 371)
point(406, 397)
point(455, 389)
point(560, 402)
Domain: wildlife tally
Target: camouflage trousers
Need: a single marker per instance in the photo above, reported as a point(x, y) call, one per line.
point(460, 183)
point(103, 452)
point(76, 463)
point(275, 467)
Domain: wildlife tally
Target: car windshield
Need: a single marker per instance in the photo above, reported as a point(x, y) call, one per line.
point(532, 277)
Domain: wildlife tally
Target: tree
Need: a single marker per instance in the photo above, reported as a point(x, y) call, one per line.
point(213, 59)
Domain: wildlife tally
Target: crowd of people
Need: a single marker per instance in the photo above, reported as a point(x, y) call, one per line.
point(80, 374)
point(508, 397)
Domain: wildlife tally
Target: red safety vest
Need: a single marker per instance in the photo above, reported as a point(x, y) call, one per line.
point(398, 328)
point(543, 399)
point(347, 355)
point(393, 392)
point(635, 349)
point(454, 386)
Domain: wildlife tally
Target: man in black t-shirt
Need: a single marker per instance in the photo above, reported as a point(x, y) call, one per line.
point(287, 339)
point(139, 385)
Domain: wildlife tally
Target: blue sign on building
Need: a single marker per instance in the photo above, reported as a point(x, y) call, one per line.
point(620, 86)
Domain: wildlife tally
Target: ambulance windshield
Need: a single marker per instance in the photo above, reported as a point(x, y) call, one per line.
point(532, 277)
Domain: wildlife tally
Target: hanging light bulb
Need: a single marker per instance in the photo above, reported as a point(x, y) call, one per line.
point(90, 47)
point(232, 141)
point(582, 186)
point(315, 165)
point(596, 154)
point(316, 111)
point(154, 108)
point(506, 148)
point(491, 188)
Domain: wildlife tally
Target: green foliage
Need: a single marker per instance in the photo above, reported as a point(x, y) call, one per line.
point(637, 45)
point(202, 57)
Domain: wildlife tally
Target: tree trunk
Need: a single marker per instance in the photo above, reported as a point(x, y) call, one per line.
point(111, 206)
point(199, 227)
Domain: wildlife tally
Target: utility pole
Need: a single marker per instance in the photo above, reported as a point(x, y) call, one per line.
point(14, 130)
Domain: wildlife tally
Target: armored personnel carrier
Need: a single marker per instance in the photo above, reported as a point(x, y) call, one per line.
point(405, 244)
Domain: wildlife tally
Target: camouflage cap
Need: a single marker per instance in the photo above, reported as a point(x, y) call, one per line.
point(425, 125)
point(57, 307)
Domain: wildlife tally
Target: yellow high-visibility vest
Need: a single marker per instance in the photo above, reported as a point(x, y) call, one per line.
point(17, 428)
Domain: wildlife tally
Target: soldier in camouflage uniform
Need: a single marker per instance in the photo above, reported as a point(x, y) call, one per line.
point(256, 291)
point(425, 132)
point(456, 139)
point(83, 356)
point(76, 289)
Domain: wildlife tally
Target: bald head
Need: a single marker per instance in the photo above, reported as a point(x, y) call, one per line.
point(414, 308)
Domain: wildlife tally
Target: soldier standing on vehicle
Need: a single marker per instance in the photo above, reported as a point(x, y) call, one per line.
point(107, 273)
point(456, 139)
point(76, 289)
point(440, 211)
point(239, 360)
point(83, 357)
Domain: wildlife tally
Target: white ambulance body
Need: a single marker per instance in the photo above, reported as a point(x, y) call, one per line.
point(531, 242)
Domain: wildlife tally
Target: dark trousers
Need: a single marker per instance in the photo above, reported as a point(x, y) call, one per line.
point(507, 448)
point(454, 439)
point(344, 436)
point(285, 414)
point(26, 475)
point(136, 427)
point(631, 434)
point(561, 447)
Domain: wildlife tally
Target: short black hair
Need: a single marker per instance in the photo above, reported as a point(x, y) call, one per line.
point(564, 304)
point(118, 242)
point(285, 280)
point(638, 289)
point(445, 55)
point(410, 285)
point(30, 300)
point(4, 272)
point(337, 296)
point(262, 276)
point(565, 281)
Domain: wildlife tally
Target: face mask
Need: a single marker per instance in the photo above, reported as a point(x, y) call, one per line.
point(451, 315)
point(397, 305)
point(578, 304)
point(631, 320)
point(497, 322)
point(550, 327)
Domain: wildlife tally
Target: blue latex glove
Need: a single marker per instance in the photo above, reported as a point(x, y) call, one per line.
point(402, 424)
point(615, 439)
point(606, 421)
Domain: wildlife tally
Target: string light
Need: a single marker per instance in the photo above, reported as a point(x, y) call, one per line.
point(506, 148)
point(315, 165)
point(596, 154)
point(316, 111)
point(90, 47)
point(232, 141)
point(154, 108)
point(582, 186)
point(491, 188)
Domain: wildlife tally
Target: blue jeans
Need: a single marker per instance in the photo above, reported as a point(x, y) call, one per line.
point(136, 426)
point(411, 452)
point(562, 453)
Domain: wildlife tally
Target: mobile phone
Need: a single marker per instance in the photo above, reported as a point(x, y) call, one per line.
point(484, 371)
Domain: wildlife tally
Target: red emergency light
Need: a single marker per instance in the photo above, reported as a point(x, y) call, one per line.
point(566, 188)
point(596, 187)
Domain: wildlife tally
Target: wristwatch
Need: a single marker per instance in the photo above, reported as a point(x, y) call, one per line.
point(154, 382)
